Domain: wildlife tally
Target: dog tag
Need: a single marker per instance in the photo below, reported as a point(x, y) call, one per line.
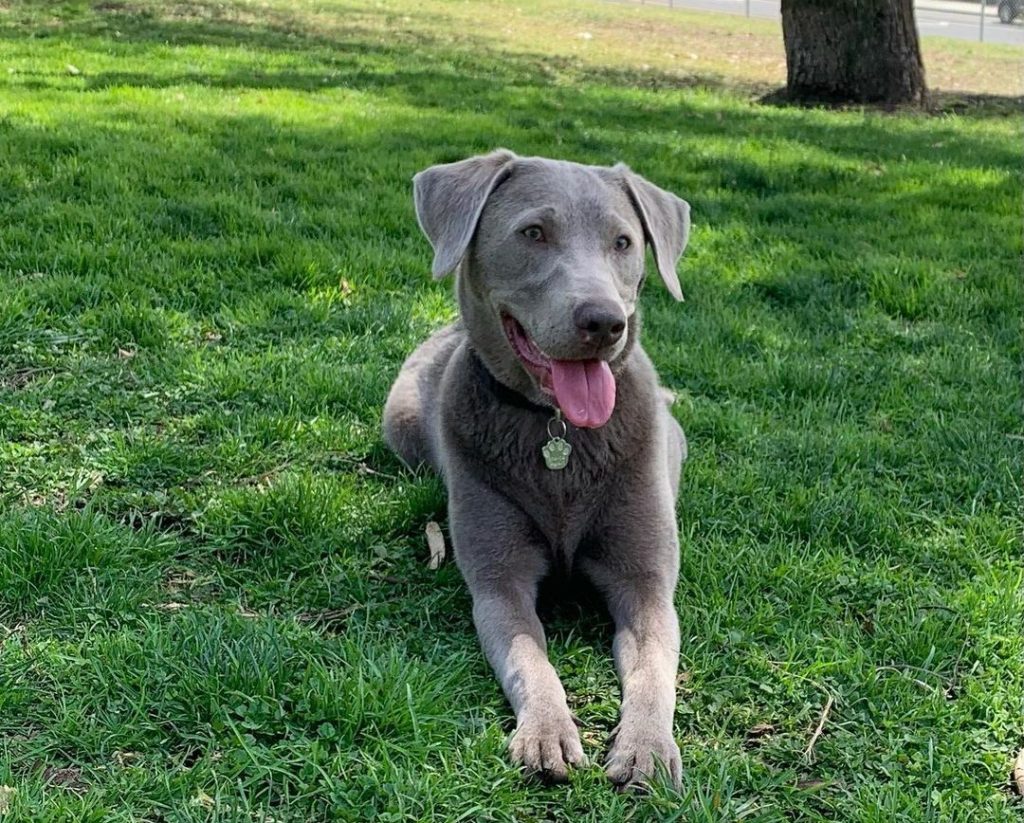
point(557, 450)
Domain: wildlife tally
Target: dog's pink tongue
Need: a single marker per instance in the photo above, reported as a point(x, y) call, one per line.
point(585, 391)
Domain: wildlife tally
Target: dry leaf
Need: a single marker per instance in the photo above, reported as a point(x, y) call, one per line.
point(760, 730)
point(757, 735)
point(7, 794)
point(435, 540)
point(203, 800)
point(125, 759)
point(1018, 773)
point(181, 580)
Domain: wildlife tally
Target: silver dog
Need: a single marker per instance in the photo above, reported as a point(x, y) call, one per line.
point(545, 418)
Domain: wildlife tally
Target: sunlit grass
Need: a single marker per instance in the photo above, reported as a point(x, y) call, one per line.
point(213, 595)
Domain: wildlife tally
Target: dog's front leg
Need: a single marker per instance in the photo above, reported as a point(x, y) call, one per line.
point(646, 651)
point(636, 571)
point(502, 559)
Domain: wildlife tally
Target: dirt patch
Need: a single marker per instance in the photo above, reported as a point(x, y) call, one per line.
point(18, 378)
point(68, 778)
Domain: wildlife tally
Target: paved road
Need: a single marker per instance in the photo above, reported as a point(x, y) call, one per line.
point(955, 19)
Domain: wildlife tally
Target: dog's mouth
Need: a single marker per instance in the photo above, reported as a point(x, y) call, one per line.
point(583, 389)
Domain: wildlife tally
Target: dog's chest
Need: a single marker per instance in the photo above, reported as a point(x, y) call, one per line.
point(507, 445)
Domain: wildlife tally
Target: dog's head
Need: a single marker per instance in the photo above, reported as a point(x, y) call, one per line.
point(551, 260)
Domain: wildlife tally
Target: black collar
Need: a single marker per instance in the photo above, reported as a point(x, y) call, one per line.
point(501, 392)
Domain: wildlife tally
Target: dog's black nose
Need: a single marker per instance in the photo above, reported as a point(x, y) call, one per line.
point(601, 323)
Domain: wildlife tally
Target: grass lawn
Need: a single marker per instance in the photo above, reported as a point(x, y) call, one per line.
point(214, 600)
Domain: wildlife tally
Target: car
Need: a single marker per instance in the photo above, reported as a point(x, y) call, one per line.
point(1010, 10)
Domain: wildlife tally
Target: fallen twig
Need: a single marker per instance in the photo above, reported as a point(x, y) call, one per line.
point(361, 467)
point(809, 751)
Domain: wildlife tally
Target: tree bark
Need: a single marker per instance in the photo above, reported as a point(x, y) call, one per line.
point(861, 51)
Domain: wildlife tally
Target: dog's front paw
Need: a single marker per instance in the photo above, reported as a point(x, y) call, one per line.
point(547, 744)
point(636, 754)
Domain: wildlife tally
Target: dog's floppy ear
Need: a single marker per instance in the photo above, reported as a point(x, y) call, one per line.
point(666, 222)
point(449, 199)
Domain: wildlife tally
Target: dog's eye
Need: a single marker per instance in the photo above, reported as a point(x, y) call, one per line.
point(535, 233)
point(622, 243)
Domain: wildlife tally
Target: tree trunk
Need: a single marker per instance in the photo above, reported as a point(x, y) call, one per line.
point(861, 51)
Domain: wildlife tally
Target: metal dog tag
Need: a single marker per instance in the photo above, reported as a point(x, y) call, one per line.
point(557, 450)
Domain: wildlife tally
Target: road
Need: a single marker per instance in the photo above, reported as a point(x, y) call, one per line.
point(934, 17)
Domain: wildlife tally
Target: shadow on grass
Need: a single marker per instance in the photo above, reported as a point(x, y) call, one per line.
point(657, 120)
point(517, 99)
point(937, 102)
point(479, 68)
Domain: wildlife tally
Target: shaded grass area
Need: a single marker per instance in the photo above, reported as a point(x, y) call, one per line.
point(213, 598)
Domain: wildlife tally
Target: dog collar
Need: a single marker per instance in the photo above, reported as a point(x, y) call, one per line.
point(501, 392)
point(556, 450)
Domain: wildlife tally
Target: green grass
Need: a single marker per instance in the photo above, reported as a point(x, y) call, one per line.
point(214, 602)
